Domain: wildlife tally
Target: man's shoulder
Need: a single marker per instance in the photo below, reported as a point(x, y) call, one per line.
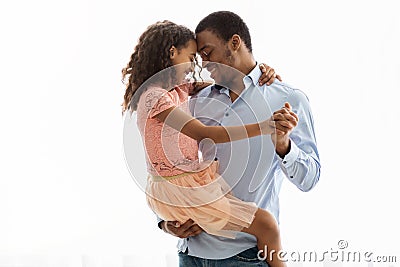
point(289, 91)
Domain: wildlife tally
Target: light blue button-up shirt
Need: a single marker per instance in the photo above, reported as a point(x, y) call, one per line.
point(251, 166)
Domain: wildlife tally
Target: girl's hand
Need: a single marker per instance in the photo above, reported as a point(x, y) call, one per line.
point(268, 75)
point(267, 126)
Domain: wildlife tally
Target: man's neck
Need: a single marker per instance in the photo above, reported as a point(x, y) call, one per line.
point(247, 63)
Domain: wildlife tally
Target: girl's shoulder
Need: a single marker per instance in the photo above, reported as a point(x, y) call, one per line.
point(155, 100)
point(153, 94)
point(154, 90)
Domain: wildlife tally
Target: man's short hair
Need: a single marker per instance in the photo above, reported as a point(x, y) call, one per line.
point(225, 24)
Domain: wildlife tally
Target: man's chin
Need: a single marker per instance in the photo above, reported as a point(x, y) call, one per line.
point(216, 77)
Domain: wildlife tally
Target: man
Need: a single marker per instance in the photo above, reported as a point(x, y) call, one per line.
point(223, 37)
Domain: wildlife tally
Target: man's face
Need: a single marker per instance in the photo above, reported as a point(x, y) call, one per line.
point(213, 49)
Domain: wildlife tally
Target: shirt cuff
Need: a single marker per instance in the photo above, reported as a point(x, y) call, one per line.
point(291, 157)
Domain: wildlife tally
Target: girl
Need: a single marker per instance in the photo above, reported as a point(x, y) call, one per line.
point(180, 187)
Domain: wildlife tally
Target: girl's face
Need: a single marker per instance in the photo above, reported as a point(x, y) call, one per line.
point(183, 59)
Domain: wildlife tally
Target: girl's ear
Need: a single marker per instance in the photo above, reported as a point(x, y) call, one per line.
point(172, 52)
point(236, 41)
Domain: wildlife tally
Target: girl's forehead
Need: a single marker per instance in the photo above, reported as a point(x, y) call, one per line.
point(191, 46)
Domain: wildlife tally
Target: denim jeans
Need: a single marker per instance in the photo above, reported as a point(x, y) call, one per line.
point(247, 258)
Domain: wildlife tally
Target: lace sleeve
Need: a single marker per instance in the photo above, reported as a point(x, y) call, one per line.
point(156, 101)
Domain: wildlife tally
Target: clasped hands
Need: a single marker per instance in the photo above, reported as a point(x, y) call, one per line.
point(284, 121)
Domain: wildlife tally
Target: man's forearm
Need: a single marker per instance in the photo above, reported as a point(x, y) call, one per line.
point(282, 147)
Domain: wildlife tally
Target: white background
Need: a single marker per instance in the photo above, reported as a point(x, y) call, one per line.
point(66, 195)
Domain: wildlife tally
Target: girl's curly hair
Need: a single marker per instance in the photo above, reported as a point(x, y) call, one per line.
point(150, 56)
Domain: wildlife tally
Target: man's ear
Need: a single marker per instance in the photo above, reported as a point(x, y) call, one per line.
point(172, 52)
point(236, 42)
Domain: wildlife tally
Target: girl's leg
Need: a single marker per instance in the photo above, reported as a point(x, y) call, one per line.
point(265, 228)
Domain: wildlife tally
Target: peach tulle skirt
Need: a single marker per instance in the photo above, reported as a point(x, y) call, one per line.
point(202, 196)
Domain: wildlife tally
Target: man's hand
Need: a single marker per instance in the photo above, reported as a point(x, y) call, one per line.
point(189, 228)
point(268, 75)
point(285, 121)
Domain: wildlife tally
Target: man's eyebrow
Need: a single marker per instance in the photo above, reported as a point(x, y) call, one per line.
point(204, 46)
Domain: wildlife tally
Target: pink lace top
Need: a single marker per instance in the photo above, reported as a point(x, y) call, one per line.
point(169, 152)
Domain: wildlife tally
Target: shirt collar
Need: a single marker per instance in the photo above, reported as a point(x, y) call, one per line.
point(250, 79)
point(221, 89)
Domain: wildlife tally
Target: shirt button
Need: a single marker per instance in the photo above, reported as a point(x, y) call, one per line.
point(226, 114)
point(284, 162)
point(291, 176)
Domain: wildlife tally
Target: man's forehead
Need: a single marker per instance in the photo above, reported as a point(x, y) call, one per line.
point(206, 39)
point(201, 48)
